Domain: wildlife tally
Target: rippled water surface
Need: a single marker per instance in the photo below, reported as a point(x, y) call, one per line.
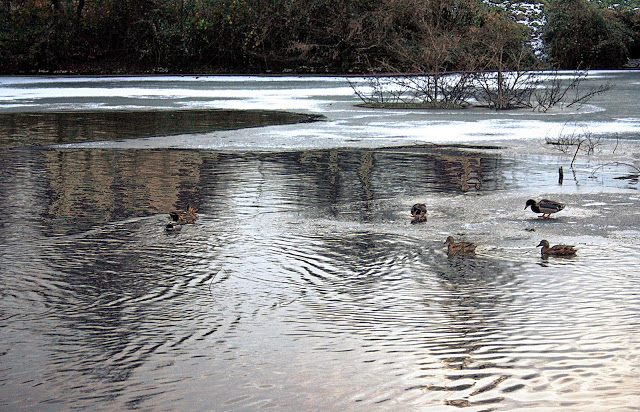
point(304, 286)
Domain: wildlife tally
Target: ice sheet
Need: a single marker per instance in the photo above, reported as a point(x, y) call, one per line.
point(613, 115)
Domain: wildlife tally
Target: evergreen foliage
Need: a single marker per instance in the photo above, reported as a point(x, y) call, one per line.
point(578, 34)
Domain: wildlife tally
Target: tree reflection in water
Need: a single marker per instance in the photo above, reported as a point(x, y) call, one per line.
point(301, 263)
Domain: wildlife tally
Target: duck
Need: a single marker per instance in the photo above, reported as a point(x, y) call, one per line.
point(545, 206)
point(419, 213)
point(556, 250)
point(455, 248)
point(187, 216)
point(173, 227)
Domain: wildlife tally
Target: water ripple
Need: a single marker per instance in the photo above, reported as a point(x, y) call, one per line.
point(278, 299)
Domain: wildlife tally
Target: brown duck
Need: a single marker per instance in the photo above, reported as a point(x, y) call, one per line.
point(457, 248)
point(557, 250)
point(186, 216)
point(419, 213)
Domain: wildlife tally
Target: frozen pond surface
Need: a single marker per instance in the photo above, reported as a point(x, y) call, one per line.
point(303, 284)
point(348, 126)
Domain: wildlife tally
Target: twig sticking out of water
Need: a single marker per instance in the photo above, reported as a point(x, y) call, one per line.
point(602, 166)
point(584, 141)
point(213, 278)
point(576, 153)
point(560, 175)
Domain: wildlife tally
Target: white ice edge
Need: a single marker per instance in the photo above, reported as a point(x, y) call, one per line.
point(347, 124)
point(323, 135)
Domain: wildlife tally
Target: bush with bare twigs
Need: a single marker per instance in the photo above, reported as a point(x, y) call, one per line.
point(576, 142)
point(498, 90)
point(442, 90)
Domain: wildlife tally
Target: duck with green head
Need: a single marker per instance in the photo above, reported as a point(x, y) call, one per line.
point(187, 216)
point(419, 213)
point(173, 226)
point(545, 206)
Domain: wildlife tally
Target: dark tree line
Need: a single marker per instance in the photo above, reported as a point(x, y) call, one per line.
point(579, 34)
point(337, 36)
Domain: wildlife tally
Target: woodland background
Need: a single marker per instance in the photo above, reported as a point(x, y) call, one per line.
point(313, 36)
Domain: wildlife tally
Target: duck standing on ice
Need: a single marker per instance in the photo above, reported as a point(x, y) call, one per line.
point(545, 206)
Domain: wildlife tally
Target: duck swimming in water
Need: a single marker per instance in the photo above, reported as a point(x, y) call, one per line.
point(187, 216)
point(545, 206)
point(556, 250)
point(457, 248)
point(419, 213)
point(173, 227)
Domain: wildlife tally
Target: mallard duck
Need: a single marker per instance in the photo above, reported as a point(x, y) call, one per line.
point(557, 250)
point(545, 206)
point(419, 213)
point(455, 248)
point(184, 216)
point(173, 227)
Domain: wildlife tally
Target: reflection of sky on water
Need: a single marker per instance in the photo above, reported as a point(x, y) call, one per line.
point(303, 285)
point(612, 113)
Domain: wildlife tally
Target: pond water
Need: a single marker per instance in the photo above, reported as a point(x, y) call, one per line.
point(303, 284)
point(50, 127)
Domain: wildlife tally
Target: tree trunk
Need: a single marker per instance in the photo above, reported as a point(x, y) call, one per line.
point(79, 8)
